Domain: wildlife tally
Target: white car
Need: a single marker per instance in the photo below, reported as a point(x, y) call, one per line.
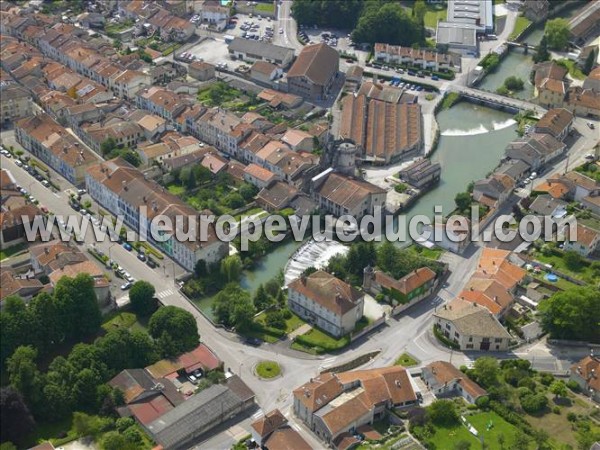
point(126, 286)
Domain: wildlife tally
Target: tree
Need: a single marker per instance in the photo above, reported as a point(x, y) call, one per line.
point(248, 191)
point(557, 33)
point(462, 201)
point(77, 305)
point(108, 145)
point(387, 22)
point(462, 445)
point(573, 260)
point(520, 441)
point(131, 157)
point(231, 268)
point(123, 423)
point(501, 440)
point(590, 60)
point(261, 299)
point(232, 306)
point(113, 441)
point(178, 324)
point(572, 314)
point(15, 419)
point(534, 403)
point(443, 412)
point(542, 53)
point(85, 390)
point(275, 319)
point(419, 10)
point(200, 269)
point(88, 425)
point(485, 371)
point(559, 389)
point(23, 373)
point(514, 83)
point(141, 296)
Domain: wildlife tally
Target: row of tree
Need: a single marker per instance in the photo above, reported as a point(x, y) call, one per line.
point(77, 382)
point(387, 257)
point(69, 315)
point(372, 20)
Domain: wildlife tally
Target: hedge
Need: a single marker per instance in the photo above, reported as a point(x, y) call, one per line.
point(443, 339)
point(326, 346)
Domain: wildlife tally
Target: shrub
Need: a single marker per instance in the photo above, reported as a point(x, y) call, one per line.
point(524, 392)
point(571, 417)
point(556, 410)
point(546, 379)
point(534, 403)
point(573, 386)
point(527, 382)
point(483, 402)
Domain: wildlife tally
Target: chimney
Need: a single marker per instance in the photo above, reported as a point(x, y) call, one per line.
point(496, 299)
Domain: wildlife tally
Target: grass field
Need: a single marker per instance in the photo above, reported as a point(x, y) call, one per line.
point(176, 190)
point(434, 15)
point(13, 250)
point(125, 320)
point(406, 360)
point(265, 7)
point(268, 369)
point(291, 324)
point(574, 71)
point(457, 433)
point(584, 273)
point(557, 425)
point(520, 25)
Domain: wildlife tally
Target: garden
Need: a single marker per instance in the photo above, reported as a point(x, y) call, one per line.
point(223, 95)
point(524, 410)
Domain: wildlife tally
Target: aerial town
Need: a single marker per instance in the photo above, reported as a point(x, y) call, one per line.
point(278, 138)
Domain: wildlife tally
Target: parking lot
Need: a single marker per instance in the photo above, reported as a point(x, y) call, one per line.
point(214, 48)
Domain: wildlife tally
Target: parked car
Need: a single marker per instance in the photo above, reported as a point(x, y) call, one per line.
point(126, 286)
point(150, 263)
point(141, 257)
point(591, 125)
point(127, 246)
point(254, 341)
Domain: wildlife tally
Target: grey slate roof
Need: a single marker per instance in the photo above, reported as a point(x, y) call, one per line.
point(262, 49)
point(209, 406)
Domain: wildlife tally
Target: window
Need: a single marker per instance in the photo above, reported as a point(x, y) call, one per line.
point(470, 338)
point(469, 345)
point(497, 347)
point(456, 335)
point(498, 340)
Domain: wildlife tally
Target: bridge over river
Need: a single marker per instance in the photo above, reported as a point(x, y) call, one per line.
point(513, 105)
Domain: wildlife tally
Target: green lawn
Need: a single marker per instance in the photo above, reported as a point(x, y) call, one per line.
point(265, 7)
point(431, 253)
point(406, 360)
point(520, 25)
point(574, 71)
point(45, 431)
point(316, 341)
point(445, 435)
point(176, 190)
point(435, 12)
point(590, 222)
point(268, 369)
point(291, 324)
point(584, 273)
point(125, 320)
point(13, 250)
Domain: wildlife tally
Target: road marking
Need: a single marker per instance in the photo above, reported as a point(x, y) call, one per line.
point(329, 360)
point(56, 195)
point(165, 293)
point(257, 415)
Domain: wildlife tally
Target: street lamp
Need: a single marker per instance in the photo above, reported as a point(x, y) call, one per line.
point(109, 249)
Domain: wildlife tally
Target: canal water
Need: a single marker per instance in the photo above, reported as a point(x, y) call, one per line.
point(535, 35)
point(471, 144)
point(516, 63)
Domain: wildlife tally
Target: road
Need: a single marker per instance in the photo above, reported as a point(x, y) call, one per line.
point(290, 29)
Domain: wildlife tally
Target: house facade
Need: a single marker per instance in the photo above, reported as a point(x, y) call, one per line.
point(313, 73)
point(326, 301)
point(471, 327)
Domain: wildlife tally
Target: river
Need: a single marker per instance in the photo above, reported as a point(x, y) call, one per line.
point(516, 63)
point(471, 144)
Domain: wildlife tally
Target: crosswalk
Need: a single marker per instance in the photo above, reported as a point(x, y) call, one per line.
point(166, 293)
